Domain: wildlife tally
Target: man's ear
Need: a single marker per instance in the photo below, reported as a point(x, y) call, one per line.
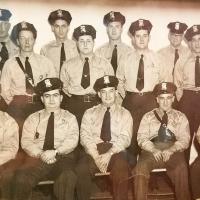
point(61, 97)
point(99, 94)
point(52, 28)
point(42, 99)
point(157, 99)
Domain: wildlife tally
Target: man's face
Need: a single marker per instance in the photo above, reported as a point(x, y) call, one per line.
point(175, 39)
point(108, 96)
point(114, 30)
point(26, 41)
point(165, 101)
point(52, 99)
point(195, 44)
point(141, 39)
point(4, 28)
point(85, 44)
point(60, 29)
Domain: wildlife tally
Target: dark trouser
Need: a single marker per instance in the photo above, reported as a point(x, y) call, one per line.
point(3, 104)
point(119, 169)
point(176, 170)
point(195, 178)
point(189, 104)
point(77, 105)
point(7, 172)
point(34, 170)
point(138, 105)
point(20, 109)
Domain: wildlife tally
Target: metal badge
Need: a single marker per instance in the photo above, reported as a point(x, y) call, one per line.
point(106, 79)
point(112, 15)
point(24, 24)
point(48, 83)
point(164, 86)
point(195, 29)
point(83, 30)
point(59, 13)
point(141, 22)
point(177, 26)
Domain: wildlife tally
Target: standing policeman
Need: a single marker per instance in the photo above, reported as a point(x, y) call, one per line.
point(115, 49)
point(22, 72)
point(163, 136)
point(61, 49)
point(80, 73)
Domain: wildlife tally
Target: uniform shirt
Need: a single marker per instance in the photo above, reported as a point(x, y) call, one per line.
point(11, 47)
point(52, 51)
point(106, 51)
point(13, 78)
point(184, 76)
point(121, 128)
point(66, 132)
point(71, 74)
point(167, 55)
point(149, 126)
point(9, 138)
point(128, 70)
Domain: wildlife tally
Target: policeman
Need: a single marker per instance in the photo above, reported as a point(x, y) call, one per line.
point(49, 138)
point(139, 72)
point(9, 144)
point(163, 136)
point(187, 79)
point(7, 47)
point(106, 132)
point(175, 51)
point(195, 173)
point(61, 49)
point(22, 72)
point(80, 73)
point(114, 49)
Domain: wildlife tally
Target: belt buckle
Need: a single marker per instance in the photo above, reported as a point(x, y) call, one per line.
point(30, 99)
point(141, 93)
point(86, 98)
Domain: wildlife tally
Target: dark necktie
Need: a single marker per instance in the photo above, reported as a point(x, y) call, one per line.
point(164, 121)
point(3, 54)
point(197, 72)
point(105, 129)
point(114, 59)
point(140, 75)
point(49, 137)
point(176, 56)
point(29, 77)
point(62, 55)
point(85, 80)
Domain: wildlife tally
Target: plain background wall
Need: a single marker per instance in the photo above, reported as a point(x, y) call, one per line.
point(160, 13)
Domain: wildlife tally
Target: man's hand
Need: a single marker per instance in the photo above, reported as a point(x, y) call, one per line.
point(166, 154)
point(48, 156)
point(104, 161)
point(157, 154)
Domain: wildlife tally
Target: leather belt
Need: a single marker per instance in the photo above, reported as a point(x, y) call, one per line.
point(27, 99)
point(85, 98)
point(138, 93)
point(192, 91)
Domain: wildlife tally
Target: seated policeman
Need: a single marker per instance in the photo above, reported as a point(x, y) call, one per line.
point(49, 137)
point(163, 136)
point(106, 132)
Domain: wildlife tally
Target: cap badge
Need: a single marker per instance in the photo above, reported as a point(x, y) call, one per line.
point(59, 13)
point(141, 22)
point(83, 30)
point(0, 13)
point(112, 15)
point(195, 29)
point(48, 83)
point(164, 86)
point(24, 24)
point(106, 80)
point(177, 26)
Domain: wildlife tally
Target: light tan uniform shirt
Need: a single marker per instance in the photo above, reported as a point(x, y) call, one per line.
point(52, 51)
point(121, 129)
point(168, 55)
point(106, 51)
point(66, 132)
point(177, 123)
point(13, 78)
point(9, 138)
point(71, 74)
point(128, 70)
point(185, 76)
